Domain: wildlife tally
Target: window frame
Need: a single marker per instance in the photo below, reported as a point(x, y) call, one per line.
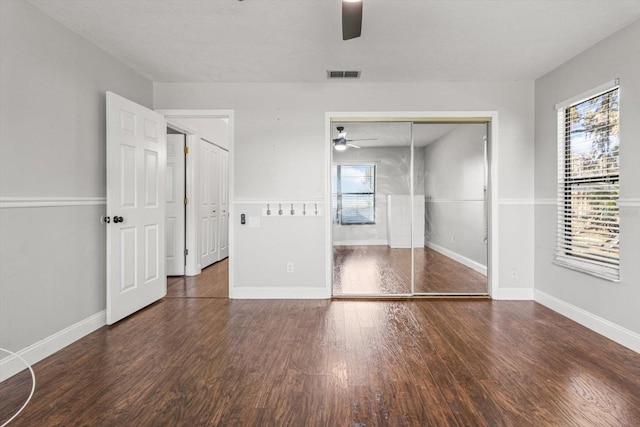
point(566, 251)
point(336, 214)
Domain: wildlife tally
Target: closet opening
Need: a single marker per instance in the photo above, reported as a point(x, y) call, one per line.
point(411, 206)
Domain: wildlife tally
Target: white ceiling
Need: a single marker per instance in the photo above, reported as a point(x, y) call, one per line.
point(299, 40)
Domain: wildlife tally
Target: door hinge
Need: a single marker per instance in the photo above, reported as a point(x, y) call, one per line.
point(186, 252)
point(186, 200)
point(186, 150)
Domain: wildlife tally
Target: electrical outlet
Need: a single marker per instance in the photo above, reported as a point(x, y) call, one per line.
point(289, 267)
point(453, 239)
point(514, 274)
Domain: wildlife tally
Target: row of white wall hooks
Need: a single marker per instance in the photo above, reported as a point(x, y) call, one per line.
point(303, 209)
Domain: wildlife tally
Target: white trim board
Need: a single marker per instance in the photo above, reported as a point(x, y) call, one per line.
point(597, 324)
point(454, 201)
point(44, 348)
point(474, 265)
point(49, 202)
point(364, 242)
point(247, 292)
point(516, 201)
point(271, 201)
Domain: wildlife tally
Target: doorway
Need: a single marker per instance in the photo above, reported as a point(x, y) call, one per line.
point(411, 204)
point(206, 187)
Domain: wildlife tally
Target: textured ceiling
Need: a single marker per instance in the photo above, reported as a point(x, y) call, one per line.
point(299, 40)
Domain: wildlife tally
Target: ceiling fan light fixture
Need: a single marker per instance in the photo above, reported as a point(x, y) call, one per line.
point(340, 145)
point(351, 19)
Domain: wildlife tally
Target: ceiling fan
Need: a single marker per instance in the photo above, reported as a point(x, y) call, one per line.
point(351, 19)
point(341, 142)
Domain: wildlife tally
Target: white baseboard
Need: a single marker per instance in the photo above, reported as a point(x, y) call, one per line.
point(474, 265)
point(370, 242)
point(514, 294)
point(597, 324)
point(241, 292)
point(11, 365)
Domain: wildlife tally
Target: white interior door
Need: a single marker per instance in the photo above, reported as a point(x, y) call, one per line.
point(174, 199)
point(136, 159)
point(209, 207)
point(224, 204)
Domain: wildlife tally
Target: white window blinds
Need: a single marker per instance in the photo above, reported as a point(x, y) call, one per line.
point(588, 185)
point(353, 194)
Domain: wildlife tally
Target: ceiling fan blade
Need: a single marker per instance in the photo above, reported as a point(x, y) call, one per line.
point(351, 19)
point(354, 146)
point(362, 139)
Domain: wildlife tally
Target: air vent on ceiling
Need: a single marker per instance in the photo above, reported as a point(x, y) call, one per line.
point(332, 74)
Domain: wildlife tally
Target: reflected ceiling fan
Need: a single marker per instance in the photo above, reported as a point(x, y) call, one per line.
point(341, 142)
point(351, 19)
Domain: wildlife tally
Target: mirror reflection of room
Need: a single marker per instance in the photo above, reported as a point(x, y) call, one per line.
point(371, 236)
point(372, 209)
point(450, 170)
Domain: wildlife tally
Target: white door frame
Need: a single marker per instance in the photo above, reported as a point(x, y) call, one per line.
point(173, 117)
point(421, 116)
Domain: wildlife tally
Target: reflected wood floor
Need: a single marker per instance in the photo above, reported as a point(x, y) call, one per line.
point(200, 361)
point(382, 270)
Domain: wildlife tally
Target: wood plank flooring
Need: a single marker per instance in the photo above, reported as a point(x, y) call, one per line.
point(382, 270)
point(212, 282)
point(198, 361)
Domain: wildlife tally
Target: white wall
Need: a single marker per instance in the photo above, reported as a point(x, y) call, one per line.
point(454, 181)
point(605, 304)
point(279, 153)
point(52, 146)
point(214, 130)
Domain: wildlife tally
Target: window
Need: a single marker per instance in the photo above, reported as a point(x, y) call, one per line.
point(588, 177)
point(353, 194)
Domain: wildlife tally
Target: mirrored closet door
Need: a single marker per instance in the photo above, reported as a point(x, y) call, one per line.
point(409, 208)
point(371, 215)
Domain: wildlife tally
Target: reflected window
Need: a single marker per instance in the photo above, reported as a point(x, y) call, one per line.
point(353, 194)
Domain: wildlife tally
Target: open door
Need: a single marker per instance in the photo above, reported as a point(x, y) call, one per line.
point(175, 205)
point(136, 161)
point(209, 203)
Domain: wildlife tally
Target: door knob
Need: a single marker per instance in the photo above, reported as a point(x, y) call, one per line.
point(117, 219)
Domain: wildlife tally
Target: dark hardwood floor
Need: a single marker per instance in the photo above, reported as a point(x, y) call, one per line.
point(212, 282)
point(194, 361)
point(382, 270)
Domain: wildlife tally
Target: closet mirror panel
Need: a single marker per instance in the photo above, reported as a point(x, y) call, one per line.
point(371, 208)
point(450, 208)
